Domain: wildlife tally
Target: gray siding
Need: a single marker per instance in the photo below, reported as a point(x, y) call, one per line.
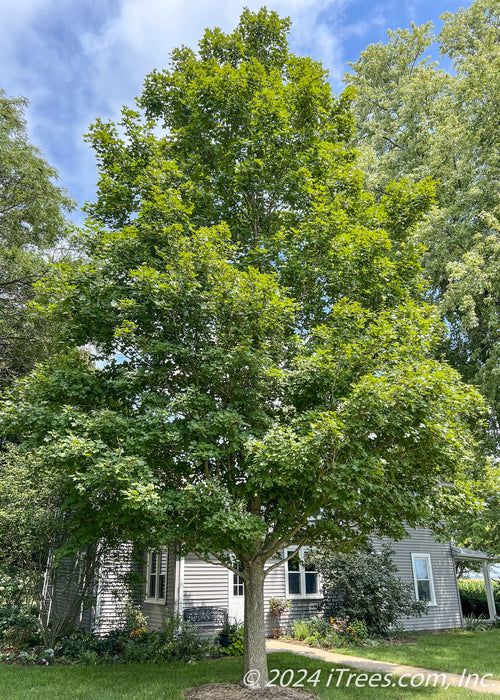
point(447, 612)
point(86, 619)
point(205, 585)
point(155, 612)
point(172, 582)
point(69, 592)
point(300, 608)
point(274, 587)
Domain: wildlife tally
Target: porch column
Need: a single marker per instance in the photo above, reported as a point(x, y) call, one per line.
point(489, 590)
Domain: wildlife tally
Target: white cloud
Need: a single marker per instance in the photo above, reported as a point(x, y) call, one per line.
point(142, 35)
point(317, 31)
point(139, 39)
point(15, 16)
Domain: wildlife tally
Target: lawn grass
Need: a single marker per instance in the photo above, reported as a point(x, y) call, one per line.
point(453, 650)
point(136, 681)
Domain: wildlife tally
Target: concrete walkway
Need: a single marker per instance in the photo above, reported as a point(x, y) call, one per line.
point(409, 676)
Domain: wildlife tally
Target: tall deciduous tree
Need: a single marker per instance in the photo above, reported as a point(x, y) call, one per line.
point(262, 371)
point(32, 220)
point(417, 120)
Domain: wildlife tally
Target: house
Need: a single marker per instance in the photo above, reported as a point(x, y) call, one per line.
point(174, 584)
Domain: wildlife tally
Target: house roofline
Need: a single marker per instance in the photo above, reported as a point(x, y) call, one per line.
point(464, 554)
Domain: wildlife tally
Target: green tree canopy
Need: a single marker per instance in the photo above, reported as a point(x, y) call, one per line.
point(31, 222)
point(417, 120)
point(258, 368)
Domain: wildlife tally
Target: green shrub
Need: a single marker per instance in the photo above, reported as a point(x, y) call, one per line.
point(136, 623)
point(347, 632)
point(11, 588)
point(335, 632)
point(311, 628)
point(300, 630)
point(177, 640)
point(476, 623)
point(18, 628)
point(174, 625)
point(109, 648)
point(318, 625)
point(473, 597)
point(89, 658)
point(230, 640)
point(359, 629)
point(70, 648)
point(366, 586)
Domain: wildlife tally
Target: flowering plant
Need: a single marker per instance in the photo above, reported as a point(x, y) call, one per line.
point(279, 606)
point(344, 633)
point(136, 622)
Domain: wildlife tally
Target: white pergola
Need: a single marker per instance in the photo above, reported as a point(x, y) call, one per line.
point(472, 555)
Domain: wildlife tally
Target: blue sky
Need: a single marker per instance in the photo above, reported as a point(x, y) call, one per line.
point(76, 60)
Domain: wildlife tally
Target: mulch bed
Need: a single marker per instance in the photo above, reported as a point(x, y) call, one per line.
point(234, 691)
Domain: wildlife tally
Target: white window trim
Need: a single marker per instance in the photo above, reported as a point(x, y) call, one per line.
point(231, 575)
point(148, 599)
point(417, 555)
point(301, 596)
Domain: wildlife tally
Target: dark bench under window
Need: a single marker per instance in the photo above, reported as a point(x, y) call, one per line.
point(206, 618)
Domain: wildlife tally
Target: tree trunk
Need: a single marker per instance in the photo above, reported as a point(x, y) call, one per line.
point(255, 674)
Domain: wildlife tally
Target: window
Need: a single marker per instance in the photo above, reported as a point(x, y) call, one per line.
point(302, 579)
point(422, 576)
point(238, 583)
point(156, 576)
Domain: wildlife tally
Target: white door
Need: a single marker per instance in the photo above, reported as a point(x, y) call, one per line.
point(236, 596)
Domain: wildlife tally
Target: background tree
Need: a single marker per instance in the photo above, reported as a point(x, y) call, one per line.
point(480, 529)
point(32, 221)
point(418, 120)
point(260, 369)
point(33, 228)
